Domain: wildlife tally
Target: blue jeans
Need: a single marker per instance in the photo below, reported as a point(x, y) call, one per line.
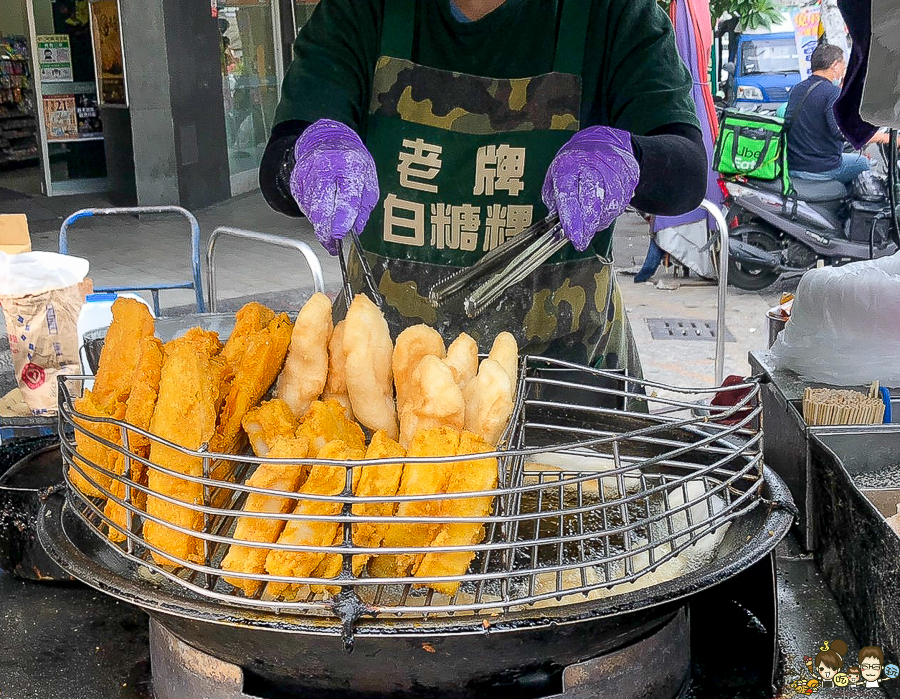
point(852, 164)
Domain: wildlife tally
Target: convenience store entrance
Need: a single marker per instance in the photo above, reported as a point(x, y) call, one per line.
point(51, 133)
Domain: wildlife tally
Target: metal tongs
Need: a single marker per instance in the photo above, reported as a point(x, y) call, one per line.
point(515, 259)
point(371, 288)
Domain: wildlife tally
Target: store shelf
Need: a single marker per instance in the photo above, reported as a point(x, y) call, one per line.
point(18, 124)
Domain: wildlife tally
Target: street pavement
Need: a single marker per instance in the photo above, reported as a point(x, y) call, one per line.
point(125, 250)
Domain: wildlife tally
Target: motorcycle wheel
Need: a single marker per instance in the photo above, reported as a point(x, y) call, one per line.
point(750, 277)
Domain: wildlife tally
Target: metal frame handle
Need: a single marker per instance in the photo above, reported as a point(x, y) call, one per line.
point(722, 225)
point(315, 267)
point(196, 285)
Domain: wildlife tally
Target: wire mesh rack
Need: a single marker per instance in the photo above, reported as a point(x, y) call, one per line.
point(604, 484)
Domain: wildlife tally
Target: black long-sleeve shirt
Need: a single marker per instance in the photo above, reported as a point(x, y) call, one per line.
point(672, 159)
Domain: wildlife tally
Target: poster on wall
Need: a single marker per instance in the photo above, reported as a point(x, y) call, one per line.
point(87, 111)
point(806, 34)
point(109, 62)
point(60, 118)
point(54, 58)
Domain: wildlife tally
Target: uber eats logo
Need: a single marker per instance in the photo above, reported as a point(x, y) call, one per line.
point(747, 154)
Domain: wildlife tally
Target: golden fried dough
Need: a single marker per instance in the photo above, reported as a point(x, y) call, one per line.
point(462, 358)
point(367, 356)
point(325, 422)
point(412, 344)
point(273, 476)
point(436, 400)
point(381, 479)
point(418, 479)
point(267, 422)
point(121, 351)
point(90, 450)
point(306, 368)
point(192, 386)
point(138, 412)
point(466, 477)
point(254, 372)
point(489, 402)
point(322, 480)
point(252, 318)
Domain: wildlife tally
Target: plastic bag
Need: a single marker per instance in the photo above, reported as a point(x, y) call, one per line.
point(30, 273)
point(41, 295)
point(845, 325)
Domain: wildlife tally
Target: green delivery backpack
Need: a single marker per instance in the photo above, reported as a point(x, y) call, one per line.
point(750, 144)
point(755, 145)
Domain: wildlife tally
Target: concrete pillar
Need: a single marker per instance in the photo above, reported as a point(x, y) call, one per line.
point(177, 121)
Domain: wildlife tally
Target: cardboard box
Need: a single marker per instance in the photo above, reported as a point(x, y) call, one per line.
point(14, 236)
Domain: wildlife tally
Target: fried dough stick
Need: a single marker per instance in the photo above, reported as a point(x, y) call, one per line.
point(336, 383)
point(462, 358)
point(274, 476)
point(306, 368)
point(505, 352)
point(322, 480)
point(417, 479)
point(267, 422)
point(121, 351)
point(254, 372)
point(367, 359)
point(490, 402)
point(412, 344)
point(325, 422)
point(466, 477)
point(90, 450)
point(381, 479)
point(138, 412)
point(436, 400)
point(191, 390)
point(252, 318)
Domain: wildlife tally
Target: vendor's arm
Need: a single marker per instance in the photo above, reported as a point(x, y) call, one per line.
point(334, 56)
point(642, 145)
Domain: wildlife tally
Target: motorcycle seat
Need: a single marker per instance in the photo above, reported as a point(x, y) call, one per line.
point(814, 191)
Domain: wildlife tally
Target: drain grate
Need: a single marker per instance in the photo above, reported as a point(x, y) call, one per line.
point(684, 329)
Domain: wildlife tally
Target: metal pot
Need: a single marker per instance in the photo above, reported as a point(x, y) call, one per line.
point(452, 656)
point(25, 481)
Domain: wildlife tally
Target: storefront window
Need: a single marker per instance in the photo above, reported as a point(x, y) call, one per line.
point(249, 83)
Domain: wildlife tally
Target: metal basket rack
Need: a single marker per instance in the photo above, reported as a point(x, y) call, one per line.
point(604, 482)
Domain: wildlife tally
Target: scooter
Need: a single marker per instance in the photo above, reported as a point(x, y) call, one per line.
point(773, 235)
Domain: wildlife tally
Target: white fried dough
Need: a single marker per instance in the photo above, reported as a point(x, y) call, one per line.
point(505, 351)
point(489, 402)
point(462, 358)
point(367, 363)
point(306, 367)
point(412, 344)
point(436, 400)
point(336, 384)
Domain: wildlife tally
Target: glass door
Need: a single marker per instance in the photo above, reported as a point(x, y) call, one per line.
point(70, 132)
point(251, 78)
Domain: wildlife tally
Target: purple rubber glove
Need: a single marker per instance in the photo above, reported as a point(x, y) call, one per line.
point(590, 182)
point(334, 181)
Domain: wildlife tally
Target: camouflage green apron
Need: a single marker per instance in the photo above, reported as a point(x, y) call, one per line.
point(461, 160)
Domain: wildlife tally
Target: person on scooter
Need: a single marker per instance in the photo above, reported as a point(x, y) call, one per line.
point(815, 143)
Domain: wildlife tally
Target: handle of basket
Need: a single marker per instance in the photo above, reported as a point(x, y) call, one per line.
point(312, 261)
